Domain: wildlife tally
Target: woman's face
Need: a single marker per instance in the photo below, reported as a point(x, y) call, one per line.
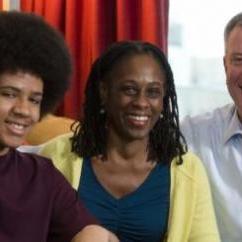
point(133, 96)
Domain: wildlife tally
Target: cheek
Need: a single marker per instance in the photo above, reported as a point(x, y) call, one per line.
point(36, 114)
point(159, 105)
point(3, 112)
point(5, 108)
point(157, 109)
point(119, 101)
point(233, 73)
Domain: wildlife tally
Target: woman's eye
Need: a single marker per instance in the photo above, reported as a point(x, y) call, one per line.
point(154, 92)
point(130, 90)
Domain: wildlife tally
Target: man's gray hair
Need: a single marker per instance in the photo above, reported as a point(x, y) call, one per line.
point(233, 22)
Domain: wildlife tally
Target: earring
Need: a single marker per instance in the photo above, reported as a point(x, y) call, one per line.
point(161, 115)
point(102, 111)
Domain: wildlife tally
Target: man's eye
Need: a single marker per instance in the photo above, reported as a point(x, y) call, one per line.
point(237, 61)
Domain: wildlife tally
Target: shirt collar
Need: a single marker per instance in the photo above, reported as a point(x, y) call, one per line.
point(234, 126)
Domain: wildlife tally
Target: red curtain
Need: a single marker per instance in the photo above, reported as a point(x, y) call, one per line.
point(89, 26)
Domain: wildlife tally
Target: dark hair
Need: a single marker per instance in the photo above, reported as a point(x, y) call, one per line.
point(29, 44)
point(90, 137)
point(233, 22)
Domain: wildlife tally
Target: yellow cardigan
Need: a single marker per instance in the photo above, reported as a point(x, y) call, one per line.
point(191, 217)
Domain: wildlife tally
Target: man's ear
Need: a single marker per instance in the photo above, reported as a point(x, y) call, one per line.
point(103, 89)
point(225, 64)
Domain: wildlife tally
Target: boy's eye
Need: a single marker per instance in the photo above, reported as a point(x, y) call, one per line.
point(36, 101)
point(8, 94)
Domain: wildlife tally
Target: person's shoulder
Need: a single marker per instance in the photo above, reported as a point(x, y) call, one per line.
point(220, 114)
point(39, 175)
point(60, 140)
point(59, 145)
point(192, 167)
point(41, 167)
point(59, 150)
point(202, 129)
point(36, 159)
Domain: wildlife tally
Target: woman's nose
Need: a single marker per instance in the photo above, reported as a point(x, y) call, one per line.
point(141, 100)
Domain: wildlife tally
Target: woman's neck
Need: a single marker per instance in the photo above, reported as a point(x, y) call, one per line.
point(134, 151)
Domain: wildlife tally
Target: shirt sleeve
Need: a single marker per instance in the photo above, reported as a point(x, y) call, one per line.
point(69, 214)
point(188, 132)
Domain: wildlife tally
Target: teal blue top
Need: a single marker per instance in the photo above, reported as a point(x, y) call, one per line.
point(139, 216)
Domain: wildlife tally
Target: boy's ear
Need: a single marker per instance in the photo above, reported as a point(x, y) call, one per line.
point(103, 89)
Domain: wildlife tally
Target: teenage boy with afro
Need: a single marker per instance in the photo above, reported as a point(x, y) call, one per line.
point(36, 202)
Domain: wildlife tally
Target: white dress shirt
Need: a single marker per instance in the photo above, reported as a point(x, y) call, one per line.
point(216, 138)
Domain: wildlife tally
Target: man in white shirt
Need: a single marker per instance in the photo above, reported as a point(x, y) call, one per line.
point(216, 138)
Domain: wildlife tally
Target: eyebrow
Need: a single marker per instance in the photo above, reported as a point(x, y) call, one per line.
point(134, 82)
point(15, 89)
point(237, 54)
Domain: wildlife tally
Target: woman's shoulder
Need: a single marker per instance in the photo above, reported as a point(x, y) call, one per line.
point(192, 167)
point(60, 140)
point(58, 146)
point(60, 152)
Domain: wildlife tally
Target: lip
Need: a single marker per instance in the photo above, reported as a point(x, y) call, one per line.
point(138, 117)
point(138, 113)
point(17, 128)
point(137, 120)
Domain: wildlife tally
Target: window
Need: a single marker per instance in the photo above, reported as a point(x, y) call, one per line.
point(195, 52)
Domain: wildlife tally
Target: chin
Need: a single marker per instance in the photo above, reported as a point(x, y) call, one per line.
point(13, 142)
point(138, 135)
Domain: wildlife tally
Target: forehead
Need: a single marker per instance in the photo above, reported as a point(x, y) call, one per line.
point(138, 64)
point(234, 40)
point(22, 81)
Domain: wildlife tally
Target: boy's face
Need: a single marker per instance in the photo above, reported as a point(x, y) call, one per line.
point(20, 101)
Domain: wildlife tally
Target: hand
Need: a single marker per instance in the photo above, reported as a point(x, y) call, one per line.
point(95, 233)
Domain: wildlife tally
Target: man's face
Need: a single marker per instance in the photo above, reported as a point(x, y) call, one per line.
point(20, 101)
point(233, 66)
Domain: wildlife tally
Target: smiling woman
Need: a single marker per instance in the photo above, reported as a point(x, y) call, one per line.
point(133, 97)
point(128, 159)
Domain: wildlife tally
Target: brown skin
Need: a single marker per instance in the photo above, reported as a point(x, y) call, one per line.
point(233, 67)
point(20, 99)
point(93, 233)
point(133, 97)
